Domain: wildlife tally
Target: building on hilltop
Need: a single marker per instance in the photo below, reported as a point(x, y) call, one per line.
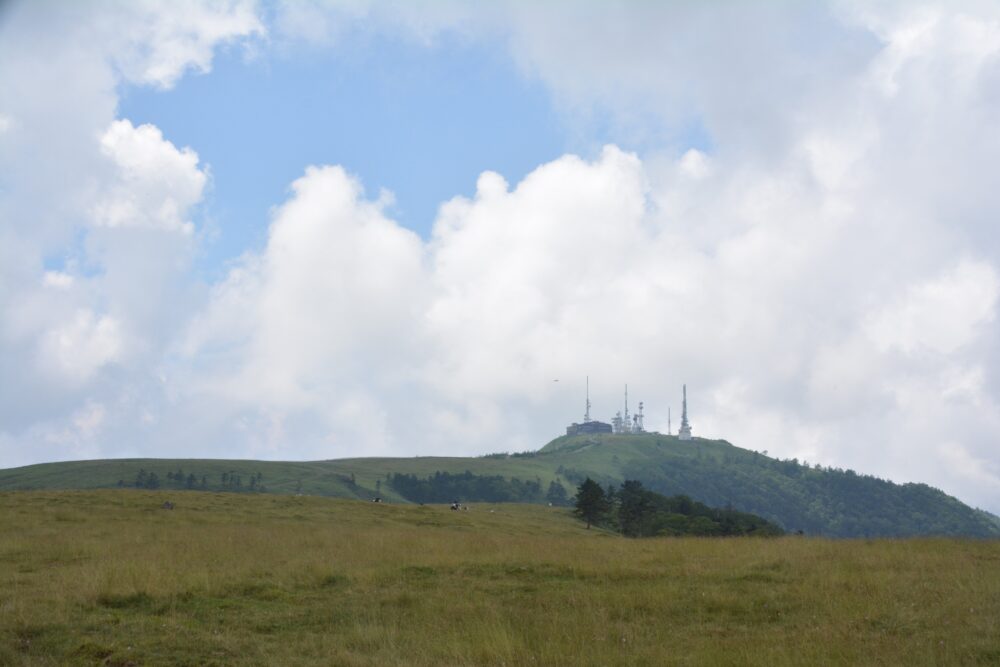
point(624, 423)
point(589, 425)
point(685, 431)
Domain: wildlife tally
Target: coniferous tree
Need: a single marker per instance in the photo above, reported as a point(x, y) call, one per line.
point(556, 493)
point(634, 509)
point(591, 502)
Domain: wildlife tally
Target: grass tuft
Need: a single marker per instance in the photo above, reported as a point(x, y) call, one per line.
point(138, 600)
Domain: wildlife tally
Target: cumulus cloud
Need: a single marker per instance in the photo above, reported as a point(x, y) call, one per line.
point(76, 349)
point(164, 40)
point(95, 214)
point(156, 183)
point(940, 315)
point(325, 308)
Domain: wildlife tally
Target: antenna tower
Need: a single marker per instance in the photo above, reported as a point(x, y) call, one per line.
point(685, 432)
point(626, 422)
point(586, 415)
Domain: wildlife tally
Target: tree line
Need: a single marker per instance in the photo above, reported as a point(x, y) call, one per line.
point(818, 500)
point(635, 511)
point(228, 481)
point(444, 487)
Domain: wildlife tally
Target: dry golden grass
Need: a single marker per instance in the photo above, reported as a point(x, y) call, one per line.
point(109, 578)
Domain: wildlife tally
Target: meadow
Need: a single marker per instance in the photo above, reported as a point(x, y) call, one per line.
point(109, 578)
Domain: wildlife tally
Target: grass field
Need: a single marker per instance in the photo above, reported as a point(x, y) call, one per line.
point(109, 578)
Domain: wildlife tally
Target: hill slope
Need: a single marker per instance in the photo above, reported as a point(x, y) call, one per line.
point(817, 501)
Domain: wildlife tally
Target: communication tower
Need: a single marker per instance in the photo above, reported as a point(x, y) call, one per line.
point(627, 422)
point(685, 431)
point(588, 425)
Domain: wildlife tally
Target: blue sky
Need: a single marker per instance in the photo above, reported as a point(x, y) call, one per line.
point(420, 122)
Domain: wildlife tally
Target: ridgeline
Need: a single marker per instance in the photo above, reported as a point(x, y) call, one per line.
point(817, 501)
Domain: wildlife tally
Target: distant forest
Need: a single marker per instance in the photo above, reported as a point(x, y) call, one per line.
point(813, 499)
point(635, 511)
point(444, 487)
point(231, 481)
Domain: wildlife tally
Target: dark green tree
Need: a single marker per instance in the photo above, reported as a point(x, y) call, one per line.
point(591, 503)
point(556, 493)
point(634, 509)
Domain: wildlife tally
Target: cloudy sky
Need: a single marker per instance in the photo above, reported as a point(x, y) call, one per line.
point(314, 230)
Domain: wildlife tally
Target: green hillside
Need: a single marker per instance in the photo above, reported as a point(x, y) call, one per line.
point(817, 501)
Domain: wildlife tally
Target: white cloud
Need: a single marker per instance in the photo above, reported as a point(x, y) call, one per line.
point(75, 350)
point(939, 315)
point(156, 184)
point(91, 304)
point(165, 39)
point(57, 279)
point(323, 319)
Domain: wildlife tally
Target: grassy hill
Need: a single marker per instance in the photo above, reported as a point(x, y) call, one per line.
point(109, 578)
point(816, 501)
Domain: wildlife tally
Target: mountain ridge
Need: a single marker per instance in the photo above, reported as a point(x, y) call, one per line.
point(816, 500)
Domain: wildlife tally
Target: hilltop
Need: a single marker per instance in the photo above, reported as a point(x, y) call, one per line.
point(819, 501)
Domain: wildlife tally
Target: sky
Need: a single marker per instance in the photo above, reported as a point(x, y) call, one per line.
point(311, 230)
